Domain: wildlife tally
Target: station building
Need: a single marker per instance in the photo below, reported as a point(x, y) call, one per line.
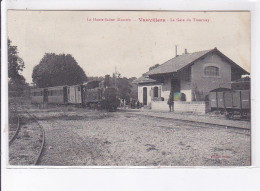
point(190, 77)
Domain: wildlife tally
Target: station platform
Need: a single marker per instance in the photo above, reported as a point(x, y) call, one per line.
point(212, 118)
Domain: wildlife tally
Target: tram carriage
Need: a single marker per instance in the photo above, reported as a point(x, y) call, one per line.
point(74, 94)
point(38, 95)
point(91, 94)
point(57, 95)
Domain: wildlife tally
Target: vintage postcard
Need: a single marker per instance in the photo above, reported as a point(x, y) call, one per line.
point(129, 88)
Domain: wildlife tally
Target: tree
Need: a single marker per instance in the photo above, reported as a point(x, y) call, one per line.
point(17, 86)
point(154, 66)
point(123, 86)
point(134, 89)
point(96, 78)
point(57, 70)
point(15, 63)
point(16, 82)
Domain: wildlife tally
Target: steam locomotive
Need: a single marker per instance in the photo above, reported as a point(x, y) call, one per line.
point(94, 94)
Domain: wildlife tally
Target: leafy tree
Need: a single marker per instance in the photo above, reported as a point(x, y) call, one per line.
point(154, 66)
point(15, 63)
point(123, 86)
point(96, 78)
point(134, 89)
point(57, 70)
point(16, 82)
point(18, 87)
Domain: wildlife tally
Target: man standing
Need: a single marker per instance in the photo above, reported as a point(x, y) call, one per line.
point(170, 101)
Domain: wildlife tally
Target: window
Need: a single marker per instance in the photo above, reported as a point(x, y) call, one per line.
point(211, 71)
point(155, 92)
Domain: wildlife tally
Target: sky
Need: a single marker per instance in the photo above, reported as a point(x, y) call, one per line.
point(101, 45)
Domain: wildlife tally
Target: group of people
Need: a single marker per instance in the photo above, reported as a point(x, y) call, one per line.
point(137, 105)
point(132, 103)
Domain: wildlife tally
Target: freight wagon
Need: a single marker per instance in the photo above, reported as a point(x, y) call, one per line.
point(231, 102)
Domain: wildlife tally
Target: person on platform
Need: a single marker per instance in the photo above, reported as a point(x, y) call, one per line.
point(170, 101)
point(138, 104)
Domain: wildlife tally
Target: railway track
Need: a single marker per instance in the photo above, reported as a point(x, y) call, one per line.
point(16, 131)
point(194, 123)
point(37, 160)
point(23, 109)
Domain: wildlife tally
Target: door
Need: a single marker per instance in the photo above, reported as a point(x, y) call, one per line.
point(78, 94)
point(175, 88)
point(45, 96)
point(145, 96)
point(236, 100)
point(65, 95)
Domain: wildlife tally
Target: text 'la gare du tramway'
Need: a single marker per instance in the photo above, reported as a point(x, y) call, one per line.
point(149, 19)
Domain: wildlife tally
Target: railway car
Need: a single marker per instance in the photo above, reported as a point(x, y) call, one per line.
point(216, 98)
point(57, 95)
point(95, 94)
point(39, 95)
point(231, 102)
point(74, 94)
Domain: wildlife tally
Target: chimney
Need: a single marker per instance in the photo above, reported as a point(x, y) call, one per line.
point(185, 52)
point(176, 50)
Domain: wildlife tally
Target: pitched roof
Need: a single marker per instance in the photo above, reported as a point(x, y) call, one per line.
point(144, 79)
point(177, 63)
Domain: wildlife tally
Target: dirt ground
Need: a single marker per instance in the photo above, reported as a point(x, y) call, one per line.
point(81, 137)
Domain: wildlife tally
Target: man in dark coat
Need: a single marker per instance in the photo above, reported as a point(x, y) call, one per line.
point(138, 104)
point(170, 101)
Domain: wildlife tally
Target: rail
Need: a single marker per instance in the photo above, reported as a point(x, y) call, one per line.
point(16, 132)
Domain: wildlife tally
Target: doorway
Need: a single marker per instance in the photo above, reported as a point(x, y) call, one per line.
point(145, 96)
point(175, 86)
point(45, 96)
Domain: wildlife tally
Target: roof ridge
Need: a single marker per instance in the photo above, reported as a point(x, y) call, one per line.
point(181, 58)
point(202, 51)
point(183, 55)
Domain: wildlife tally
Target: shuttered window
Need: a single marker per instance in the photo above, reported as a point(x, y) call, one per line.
point(55, 92)
point(155, 90)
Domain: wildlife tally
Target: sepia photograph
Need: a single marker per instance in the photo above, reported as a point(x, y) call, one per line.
point(129, 88)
